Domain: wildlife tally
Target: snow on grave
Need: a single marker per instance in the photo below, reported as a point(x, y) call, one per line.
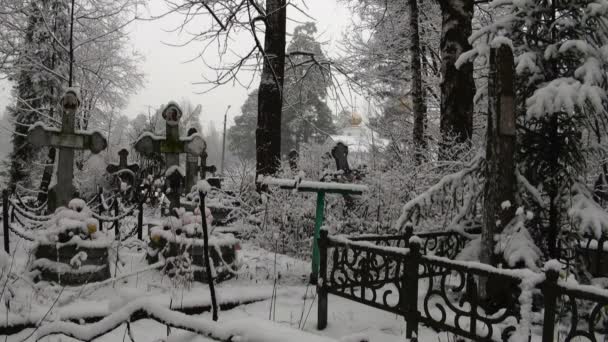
point(222, 205)
point(182, 237)
point(71, 250)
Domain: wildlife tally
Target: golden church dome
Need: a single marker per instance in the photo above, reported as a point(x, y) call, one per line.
point(355, 119)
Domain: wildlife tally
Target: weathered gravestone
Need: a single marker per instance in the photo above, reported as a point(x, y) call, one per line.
point(66, 139)
point(125, 171)
point(172, 145)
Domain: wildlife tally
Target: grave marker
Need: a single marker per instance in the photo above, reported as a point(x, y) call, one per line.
point(123, 165)
point(321, 188)
point(66, 139)
point(191, 166)
point(172, 145)
point(340, 154)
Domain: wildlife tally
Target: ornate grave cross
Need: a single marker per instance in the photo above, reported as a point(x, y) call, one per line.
point(205, 168)
point(191, 165)
point(123, 166)
point(172, 145)
point(321, 189)
point(66, 139)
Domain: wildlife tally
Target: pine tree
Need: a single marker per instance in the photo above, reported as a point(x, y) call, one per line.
point(40, 75)
point(561, 68)
point(306, 116)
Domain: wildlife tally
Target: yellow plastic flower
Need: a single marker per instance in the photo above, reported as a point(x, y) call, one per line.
point(91, 227)
point(155, 238)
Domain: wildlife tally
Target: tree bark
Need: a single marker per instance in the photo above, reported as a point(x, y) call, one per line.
point(457, 85)
point(417, 91)
point(500, 184)
point(270, 95)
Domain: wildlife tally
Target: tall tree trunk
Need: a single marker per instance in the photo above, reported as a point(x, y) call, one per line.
point(500, 184)
point(417, 92)
point(270, 95)
point(457, 85)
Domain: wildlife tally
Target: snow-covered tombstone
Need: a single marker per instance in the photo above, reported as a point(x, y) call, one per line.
point(172, 145)
point(179, 241)
point(67, 140)
point(70, 250)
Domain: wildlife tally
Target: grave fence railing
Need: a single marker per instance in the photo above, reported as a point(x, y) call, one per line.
point(427, 287)
point(22, 221)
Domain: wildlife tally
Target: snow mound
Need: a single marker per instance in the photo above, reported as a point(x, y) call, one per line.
point(203, 186)
point(72, 224)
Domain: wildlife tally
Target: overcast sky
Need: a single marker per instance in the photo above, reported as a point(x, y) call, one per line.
point(170, 78)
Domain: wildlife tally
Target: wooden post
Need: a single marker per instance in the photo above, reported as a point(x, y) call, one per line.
point(322, 283)
point(549, 290)
point(208, 261)
point(140, 219)
point(500, 184)
point(412, 262)
point(5, 223)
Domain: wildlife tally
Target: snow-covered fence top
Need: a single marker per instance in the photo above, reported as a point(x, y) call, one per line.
point(312, 186)
point(368, 274)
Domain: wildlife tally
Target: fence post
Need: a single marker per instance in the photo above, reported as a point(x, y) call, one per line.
point(598, 255)
point(5, 220)
point(409, 232)
point(412, 263)
point(101, 204)
point(550, 294)
point(322, 282)
point(116, 222)
point(140, 220)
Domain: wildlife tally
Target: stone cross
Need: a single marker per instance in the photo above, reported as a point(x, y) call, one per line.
point(123, 166)
point(172, 145)
point(191, 166)
point(66, 139)
point(123, 169)
point(205, 168)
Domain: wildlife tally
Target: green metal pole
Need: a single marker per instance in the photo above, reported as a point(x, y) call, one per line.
point(315, 244)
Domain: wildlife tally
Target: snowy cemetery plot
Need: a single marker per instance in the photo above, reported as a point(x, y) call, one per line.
point(180, 238)
point(225, 208)
point(140, 295)
point(69, 248)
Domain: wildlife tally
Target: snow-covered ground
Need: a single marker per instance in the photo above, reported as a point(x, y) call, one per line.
point(262, 273)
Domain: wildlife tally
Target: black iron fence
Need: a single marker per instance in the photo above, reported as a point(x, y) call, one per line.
point(24, 220)
point(427, 287)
